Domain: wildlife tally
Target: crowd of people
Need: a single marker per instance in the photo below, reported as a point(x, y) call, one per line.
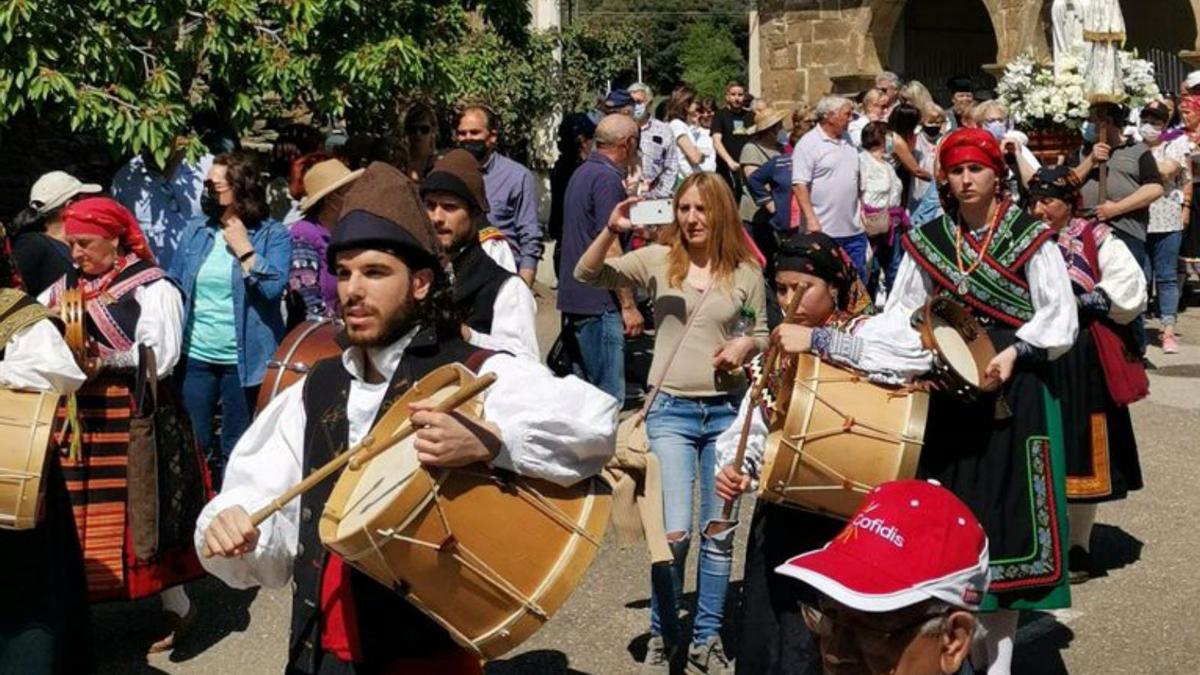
point(854, 213)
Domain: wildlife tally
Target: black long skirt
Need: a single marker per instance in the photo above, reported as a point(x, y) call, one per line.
point(1102, 454)
point(1006, 463)
point(45, 623)
point(774, 638)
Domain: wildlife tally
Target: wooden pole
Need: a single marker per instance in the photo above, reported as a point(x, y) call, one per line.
point(756, 390)
point(363, 452)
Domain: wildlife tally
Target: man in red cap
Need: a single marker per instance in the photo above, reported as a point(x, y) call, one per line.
point(897, 590)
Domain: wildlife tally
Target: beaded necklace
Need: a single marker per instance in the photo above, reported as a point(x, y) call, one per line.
point(966, 272)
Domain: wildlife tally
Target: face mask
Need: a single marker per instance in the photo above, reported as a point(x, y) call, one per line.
point(1088, 131)
point(210, 204)
point(933, 131)
point(639, 111)
point(478, 149)
point(996, 128)
point(1150, 133)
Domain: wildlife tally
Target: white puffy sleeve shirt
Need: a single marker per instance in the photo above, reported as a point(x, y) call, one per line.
point(889, 346)
point(160, 326)
point(1122, 280)
point(514, 322)
point(37, 357)
point(557, 429)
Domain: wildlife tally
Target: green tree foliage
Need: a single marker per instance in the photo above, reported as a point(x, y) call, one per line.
point(710, 59)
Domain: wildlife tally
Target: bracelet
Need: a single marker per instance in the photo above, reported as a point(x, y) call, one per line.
point(245, 256)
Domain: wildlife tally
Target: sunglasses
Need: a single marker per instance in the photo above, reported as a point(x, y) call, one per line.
point(420, 130)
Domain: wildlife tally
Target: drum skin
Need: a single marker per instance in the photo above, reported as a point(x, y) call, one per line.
point(842, 436)
point(26, 420)
point(306, 344)
point(487, 554)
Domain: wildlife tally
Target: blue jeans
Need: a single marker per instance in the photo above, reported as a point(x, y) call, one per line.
point(856, 247)
point(683, 433)
point(601, 357)
point(888, 257)
point(203, 385)
point(1163, 255)
point(1137, 247)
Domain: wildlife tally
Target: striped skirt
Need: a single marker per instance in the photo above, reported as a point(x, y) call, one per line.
point(98, 485)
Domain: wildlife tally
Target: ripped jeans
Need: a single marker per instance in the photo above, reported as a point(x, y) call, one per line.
point(683, 434)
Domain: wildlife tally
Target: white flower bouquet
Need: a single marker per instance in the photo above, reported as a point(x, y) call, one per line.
point(1138, 76)
point(1038, 99)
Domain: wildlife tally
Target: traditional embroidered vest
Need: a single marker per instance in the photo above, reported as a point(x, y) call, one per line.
point(389, 628)
point(112, 317)
point(997, 287)
point(18, 311)
point(477, 282)
point(1074, 249)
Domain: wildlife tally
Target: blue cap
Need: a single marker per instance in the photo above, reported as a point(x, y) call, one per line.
point(618, 98)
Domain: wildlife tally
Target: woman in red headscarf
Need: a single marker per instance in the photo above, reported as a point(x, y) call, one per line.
point(135, 478)
point(1003, 453)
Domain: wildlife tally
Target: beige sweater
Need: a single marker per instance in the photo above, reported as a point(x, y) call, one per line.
point(692, 372)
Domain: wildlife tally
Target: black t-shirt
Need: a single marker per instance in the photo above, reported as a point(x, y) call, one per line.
point(41, 259)
point(725, 122)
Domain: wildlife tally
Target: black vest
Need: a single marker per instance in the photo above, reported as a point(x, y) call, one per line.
point(389, 628)
point(477, 282)
point(126, 311)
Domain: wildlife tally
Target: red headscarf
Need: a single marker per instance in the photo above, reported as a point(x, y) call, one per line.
point(972, 145)
point(104, 217)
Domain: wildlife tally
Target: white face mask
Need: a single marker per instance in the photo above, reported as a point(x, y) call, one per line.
point(1150, 133)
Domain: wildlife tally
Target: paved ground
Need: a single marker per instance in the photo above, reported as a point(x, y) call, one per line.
point(1139, 618)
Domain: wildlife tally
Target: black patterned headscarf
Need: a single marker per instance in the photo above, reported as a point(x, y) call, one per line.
point(816, 253)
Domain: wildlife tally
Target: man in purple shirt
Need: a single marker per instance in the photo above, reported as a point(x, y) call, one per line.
point(596, 319)
point(511, 193)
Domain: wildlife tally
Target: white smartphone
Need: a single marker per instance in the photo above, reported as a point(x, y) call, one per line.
point(652, 213)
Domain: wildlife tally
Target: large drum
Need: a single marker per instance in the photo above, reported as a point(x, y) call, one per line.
point(487, 554)
point(843, 436)
point(26, 419)
point(306, 344)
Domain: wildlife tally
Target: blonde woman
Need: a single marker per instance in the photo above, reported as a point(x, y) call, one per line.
point(705, 273)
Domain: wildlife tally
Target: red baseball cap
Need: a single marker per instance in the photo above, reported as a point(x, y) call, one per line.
point(910, 541)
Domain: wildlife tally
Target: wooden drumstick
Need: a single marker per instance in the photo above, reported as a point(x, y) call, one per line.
point(756, 390)
point(368, 447)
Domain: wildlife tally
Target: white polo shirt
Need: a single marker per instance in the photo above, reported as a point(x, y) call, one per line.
point(829, 168)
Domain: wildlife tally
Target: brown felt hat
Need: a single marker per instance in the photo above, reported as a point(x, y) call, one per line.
point(383, 211)
point(457, 173)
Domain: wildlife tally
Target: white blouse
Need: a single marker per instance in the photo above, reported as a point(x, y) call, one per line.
point(879, 186)
point(1122, 280)
point(159, 327)
point(37, 357)
point(514, 322)
point(889, 345)
point(557, 429)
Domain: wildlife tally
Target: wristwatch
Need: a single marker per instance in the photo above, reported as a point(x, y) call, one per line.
point(246, 256)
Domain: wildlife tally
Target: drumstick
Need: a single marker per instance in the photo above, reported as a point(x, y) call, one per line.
point(368, 447)
point(756, 393)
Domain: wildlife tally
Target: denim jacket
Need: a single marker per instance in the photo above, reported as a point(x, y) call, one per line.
point(772, 182)
point(257, 295)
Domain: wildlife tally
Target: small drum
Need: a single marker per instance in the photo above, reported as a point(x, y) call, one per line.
point(72, 311)
point(489, 555)
point(843, 436)
point(308, 343)
point(26, 419)
point(960, 346)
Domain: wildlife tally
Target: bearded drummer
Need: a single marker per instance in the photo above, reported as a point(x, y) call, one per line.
point(395, 300)
point(775, 637)
point(44, 627)
point(1002, 454)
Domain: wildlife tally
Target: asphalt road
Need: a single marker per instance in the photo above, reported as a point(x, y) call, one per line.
point(1141, 617)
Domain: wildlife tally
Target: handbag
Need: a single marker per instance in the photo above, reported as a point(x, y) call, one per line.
point(631, 433)
point(1123, 369)
point(561, 355)
point(167, 480)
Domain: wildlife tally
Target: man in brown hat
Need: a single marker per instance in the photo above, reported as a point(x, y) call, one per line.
point(499, 309)
point(311, 282)
point(394, 290)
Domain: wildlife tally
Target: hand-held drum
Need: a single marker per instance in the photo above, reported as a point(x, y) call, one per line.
point(489, 555)
point(26, 419)
point(842, 436)
point(960, 346)
point(72, 311)
point(306, 344)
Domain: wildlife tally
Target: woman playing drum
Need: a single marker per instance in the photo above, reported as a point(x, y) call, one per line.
point(1102, 455)
point(44, 627)
point(1003, 453)
point(129, 303)
point(774, 636)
